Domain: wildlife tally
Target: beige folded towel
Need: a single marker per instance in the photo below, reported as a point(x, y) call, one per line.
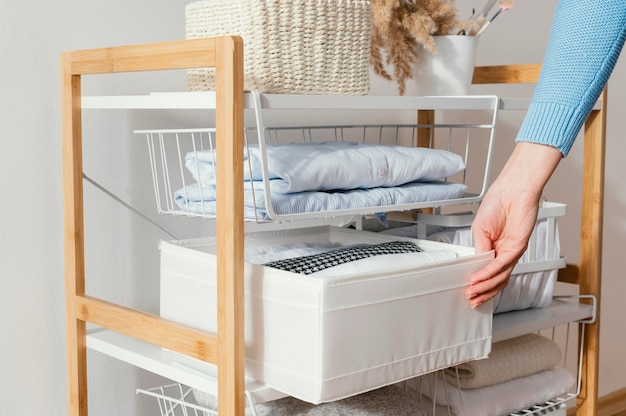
point(509, 359)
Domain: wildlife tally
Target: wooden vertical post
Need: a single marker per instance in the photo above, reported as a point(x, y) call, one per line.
point(81, 308)
point(425, 139)
point(590, 266)
point(72, 175)
point(230, 228)
point(424, 134)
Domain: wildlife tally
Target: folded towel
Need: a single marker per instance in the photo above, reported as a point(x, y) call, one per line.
point(509, 359)
point(499, 399)
point(299, 167)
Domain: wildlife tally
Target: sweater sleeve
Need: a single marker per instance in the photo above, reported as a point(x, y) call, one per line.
point(585, 41)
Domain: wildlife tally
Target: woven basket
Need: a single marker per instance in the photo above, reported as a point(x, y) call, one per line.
point(290, 46)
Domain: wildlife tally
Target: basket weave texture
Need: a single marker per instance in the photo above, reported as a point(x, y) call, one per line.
point(290, 46)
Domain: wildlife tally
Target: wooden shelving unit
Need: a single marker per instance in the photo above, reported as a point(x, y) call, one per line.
point(140, 338)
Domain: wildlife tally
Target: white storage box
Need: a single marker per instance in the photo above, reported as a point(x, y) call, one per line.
point(323, 339)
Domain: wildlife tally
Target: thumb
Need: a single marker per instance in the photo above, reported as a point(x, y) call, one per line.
point(482, 241)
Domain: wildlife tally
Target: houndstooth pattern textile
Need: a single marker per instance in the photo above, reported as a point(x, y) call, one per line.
point(315, 263)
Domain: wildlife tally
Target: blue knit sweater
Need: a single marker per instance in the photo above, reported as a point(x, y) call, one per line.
point(586, 39)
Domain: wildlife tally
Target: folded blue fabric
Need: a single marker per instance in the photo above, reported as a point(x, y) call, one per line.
point(323, 166)
point(198, 199)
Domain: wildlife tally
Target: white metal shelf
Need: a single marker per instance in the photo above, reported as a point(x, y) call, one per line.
point(171, 181)
point(174, 366)
point(207, 100)
point(512, 324)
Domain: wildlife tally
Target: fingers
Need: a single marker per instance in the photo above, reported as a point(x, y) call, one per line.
point(502, 264)
point(485, 283)
point(483, 291)
point(482, 242)
point(486, 296)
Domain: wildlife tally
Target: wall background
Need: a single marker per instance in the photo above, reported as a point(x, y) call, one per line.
point(32, 35)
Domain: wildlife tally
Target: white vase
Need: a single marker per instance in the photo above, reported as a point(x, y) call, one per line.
point(448, 72)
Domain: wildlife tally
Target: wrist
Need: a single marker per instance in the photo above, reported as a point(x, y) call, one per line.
point(529, 168)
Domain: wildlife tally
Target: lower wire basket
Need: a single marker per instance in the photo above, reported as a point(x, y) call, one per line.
point(176, 400)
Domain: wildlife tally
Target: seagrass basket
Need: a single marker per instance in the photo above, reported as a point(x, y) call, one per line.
point(290, 46)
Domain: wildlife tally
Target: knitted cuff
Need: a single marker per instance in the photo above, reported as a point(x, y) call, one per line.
point(551, 124)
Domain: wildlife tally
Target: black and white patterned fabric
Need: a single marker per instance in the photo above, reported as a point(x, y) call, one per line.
point(322, 261)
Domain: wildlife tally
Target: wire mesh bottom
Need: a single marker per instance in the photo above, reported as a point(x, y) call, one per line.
point(551, 407)
point(176, 400)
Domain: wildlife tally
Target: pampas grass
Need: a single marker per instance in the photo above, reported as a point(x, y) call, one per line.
point(403, 29)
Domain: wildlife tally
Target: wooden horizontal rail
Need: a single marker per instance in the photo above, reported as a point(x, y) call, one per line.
point(147, 327)
point(191, 53)
point(506, 74)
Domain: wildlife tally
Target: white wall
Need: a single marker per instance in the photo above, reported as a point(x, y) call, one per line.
point(32, 35)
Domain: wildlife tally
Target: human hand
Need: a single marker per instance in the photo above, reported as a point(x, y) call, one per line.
point(507, 215)
point(503, 223)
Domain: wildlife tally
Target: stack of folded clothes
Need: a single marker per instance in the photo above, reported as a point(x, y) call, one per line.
point(520, 372)
point(327, 176)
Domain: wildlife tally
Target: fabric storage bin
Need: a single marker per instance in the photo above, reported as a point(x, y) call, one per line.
point(290, 46)
point(324, 339)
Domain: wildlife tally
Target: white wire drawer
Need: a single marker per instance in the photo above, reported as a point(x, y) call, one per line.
point(330, 170)
point(532, 282)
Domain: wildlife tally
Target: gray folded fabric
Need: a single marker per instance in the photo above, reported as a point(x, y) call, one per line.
point(386, 401)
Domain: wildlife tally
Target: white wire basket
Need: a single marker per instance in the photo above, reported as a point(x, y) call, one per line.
point(176, 400)
point(563, 335)
point(533, 280)
point(177, 190)
point(554, 407)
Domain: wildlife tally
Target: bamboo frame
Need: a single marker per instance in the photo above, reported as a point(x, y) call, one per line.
point(587, 274)
point(226, 348)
